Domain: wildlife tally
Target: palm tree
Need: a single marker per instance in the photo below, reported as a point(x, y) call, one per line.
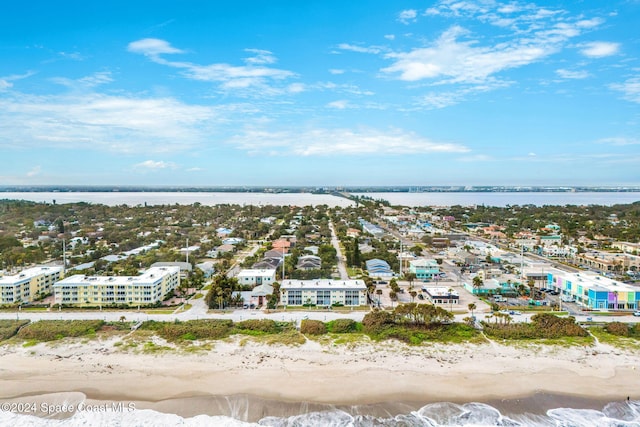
point(477, 283)
point(413, 295)
point(471, 307)
point(410, 277)
point(379, 293)
point(450, 300)
point(394, 297)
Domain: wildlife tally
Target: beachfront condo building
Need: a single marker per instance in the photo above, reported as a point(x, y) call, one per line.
point(323, 292)
point(29, 284)
point(148, 288)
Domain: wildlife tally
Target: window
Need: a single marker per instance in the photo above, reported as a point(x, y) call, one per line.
point(323, 298)
point(294, 298)
point(351, 297)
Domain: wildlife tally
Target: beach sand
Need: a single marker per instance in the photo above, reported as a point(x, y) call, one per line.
point(249, 380)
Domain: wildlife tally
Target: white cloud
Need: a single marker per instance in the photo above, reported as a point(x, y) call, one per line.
point(629, 88)
point(620, 141)
point(261, 57)
point(568, 74)
point(360, 49)
point(152, 47)
point(461, 61)
point(34, 171)
point(335, 142)
point(340, 104)
point(458, 56)
point(195, 169)
point(599, 49)
point(296, 88)
point(100, 122)
point(154, 165)
point(336, 71)
point(390, 36)
point(5, 82)
point(407, 16)
point(93, 80)
point(238, 78)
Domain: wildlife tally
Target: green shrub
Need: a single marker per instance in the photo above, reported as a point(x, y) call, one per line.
point(313, 327)
point(9, 328)
point(49, 330)
point(266, 326)
point(342, 326)
point(376, 320)
point(191, 330)
point(617, 328)
point(543, 325)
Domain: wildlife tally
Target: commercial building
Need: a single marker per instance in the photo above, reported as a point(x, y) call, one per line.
point(441, 295)
point(424, 269)
point(593, 291)
point(148, 288)
point(323, 292)
point(29, 284)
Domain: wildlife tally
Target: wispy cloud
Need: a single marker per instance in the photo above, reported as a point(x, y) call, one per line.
point(150, 165)
point(336, 71)
point(152, 47)
point(569, 74)
point(619, 141)
point(360, 49)
point(599, 49)
point(95, 121)
point(6, 82)
point(407, 16)
point(340, 104)
point(253, 75)
point(35, 171)
point(91, 81)
point(630, 89)
point(332, 142)
point(260, 57)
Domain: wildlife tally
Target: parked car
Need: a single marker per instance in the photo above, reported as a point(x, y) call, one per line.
point(636, 313)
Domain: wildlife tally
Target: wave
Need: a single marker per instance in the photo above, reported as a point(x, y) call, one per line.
point(443, 414)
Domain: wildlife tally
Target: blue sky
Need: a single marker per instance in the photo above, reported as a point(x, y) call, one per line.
point(374, 92)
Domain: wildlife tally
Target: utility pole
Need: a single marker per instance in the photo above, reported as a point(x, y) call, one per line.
point(64, 257)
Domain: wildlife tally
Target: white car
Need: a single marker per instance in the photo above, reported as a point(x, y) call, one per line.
point(636, 313)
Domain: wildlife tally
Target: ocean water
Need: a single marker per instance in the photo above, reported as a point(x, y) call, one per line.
point(615, 414)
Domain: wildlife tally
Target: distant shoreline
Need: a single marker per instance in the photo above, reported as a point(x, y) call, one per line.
point(313, 189)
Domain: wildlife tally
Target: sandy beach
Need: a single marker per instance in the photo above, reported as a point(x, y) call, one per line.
point(242, 378)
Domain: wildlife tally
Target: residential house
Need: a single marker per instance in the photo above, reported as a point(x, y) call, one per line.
point(379, 268)
point(255, 277)
point(309, 262)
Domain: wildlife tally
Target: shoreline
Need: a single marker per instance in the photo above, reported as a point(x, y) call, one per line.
point(254, 379)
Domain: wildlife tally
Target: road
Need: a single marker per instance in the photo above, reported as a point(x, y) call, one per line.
point(239, 315)
point(342, 267)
